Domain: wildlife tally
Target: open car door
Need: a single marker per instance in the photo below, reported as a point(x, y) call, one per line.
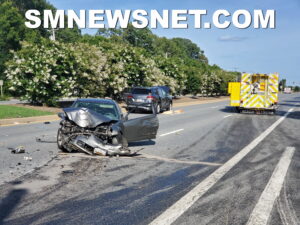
point(142, 128)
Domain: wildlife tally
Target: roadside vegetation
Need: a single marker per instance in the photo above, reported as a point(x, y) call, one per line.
point(75, 65)
point(9, 111)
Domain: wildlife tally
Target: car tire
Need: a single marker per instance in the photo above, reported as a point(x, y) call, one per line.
point(158, 108)
point(169, 108)
point(59, 141)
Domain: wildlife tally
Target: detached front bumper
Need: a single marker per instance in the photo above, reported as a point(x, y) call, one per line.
point(93, 145)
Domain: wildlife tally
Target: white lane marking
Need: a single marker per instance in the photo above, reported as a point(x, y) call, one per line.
point(263, 208)
point(183, 204)
point(214, 107)
point(227, 116)
point(172, 132)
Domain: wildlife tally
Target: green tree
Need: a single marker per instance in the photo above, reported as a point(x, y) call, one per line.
point(142, 38)
point(282, 84)
point(64, 35)
point(190, 49)
point(12, 31)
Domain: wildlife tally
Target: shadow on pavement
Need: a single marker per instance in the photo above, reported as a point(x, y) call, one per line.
point(141, 143)
point(10, 202)
point(292, 115)
point(229, 109)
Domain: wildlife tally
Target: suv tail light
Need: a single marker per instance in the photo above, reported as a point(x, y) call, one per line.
point(129, 96)
point(150, 97)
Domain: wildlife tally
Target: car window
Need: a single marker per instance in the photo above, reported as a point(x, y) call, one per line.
point(106, 109)
point(140, 91)
point(163, 93)
point(160, 92)
point(154, 91)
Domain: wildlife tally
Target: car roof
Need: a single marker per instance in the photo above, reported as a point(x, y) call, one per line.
point(97, 100)
point(142, 87)
point(154, 87)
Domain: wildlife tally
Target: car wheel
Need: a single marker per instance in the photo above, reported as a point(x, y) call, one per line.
point(60, 141)
point(157, 109)
point(169, 107)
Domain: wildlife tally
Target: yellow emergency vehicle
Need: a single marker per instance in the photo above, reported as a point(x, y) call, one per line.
point(255, 93)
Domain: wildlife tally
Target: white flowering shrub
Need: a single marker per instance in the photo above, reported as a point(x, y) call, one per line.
point(210, 84)
point(156, 77)
point(171, 68)
point(128, 67)
point(43, 73)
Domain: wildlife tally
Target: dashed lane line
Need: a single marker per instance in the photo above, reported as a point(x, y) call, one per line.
point(261, 213)
point(183, 204)
point(172, 132)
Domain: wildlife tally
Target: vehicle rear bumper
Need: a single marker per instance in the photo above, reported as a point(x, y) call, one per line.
point(147, 107)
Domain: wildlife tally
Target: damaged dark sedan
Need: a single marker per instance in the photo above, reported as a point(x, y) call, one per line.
point(98, 126)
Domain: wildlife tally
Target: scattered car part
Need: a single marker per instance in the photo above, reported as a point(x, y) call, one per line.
point(18, 150)
point(44, 140)
point(27, 158)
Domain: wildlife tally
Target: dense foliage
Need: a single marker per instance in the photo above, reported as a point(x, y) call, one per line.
point(43, 71)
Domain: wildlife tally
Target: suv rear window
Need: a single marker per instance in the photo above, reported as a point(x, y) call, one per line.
point(140, 91)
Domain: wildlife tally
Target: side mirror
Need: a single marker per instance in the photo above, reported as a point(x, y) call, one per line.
point(61, 115)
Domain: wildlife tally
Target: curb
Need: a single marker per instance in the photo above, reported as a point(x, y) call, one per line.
point(28, 120)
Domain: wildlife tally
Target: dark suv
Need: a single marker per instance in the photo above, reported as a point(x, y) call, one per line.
point(149, 98)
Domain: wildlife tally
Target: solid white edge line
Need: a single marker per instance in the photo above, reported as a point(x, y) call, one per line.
point(264, 206)
point(227, 116)
point(183, 204)
point(172, 132)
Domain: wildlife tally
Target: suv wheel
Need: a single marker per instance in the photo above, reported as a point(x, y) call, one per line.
point(158, 108)
point(169, 108)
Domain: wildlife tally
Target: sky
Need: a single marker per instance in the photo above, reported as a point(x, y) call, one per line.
point(245, 50)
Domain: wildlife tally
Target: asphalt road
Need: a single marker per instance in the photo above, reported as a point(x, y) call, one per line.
point(208, 165)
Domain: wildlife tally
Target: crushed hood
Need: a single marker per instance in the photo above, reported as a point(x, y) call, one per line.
point(85, 117)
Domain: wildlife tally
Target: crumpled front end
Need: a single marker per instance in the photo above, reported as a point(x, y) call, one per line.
point(84, 131)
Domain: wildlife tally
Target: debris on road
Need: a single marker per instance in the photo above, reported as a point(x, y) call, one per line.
point(68, 171)
point(27, 158)
point(172, 112)
point(18, 150)
point(43, 139)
